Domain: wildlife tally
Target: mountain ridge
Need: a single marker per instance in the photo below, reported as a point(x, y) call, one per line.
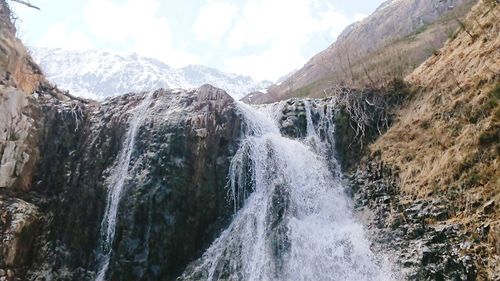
point(98, 74)
point(346, 61)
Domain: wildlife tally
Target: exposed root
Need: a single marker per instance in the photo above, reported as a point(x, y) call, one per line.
point(368, 110)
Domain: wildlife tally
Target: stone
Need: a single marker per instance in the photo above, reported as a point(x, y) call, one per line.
point(425, 252)
point(19, 231)
point(16, 143)
point(489, 207)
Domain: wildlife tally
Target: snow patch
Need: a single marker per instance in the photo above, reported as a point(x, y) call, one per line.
point(98, 74)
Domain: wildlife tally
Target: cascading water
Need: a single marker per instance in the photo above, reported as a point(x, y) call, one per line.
point(294, 220)
point(115, 188)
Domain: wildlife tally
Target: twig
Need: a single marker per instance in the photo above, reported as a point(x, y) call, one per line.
point(26, 3)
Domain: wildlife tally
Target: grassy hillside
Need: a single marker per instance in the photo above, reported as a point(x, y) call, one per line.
point(446, 141)
point(17, 69)
point(394, 60)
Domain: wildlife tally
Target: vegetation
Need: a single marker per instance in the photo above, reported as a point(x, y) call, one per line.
point(445, 142)
point(26, 3)
point(393, 61)
point(363, 116)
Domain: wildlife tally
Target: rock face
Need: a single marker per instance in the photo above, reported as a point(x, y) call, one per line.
point(18, 75)
point(293, 122)
point(18, 228)
point(175, 194)
point(17, 151)
point(414, 233)
point(176, 203)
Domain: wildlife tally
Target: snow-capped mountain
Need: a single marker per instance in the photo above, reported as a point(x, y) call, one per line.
point(98, 74)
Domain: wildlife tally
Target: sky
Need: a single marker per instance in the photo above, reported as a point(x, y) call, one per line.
point(264, 39)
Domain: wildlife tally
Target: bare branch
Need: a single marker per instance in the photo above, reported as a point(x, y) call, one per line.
point(26, 3)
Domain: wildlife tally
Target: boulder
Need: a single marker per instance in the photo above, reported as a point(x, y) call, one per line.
point(19, 225)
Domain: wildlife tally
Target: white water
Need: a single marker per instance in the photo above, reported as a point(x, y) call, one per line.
point(296, 221)
point(115, 188)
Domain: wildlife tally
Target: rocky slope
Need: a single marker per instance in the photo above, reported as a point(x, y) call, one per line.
point(389, 43)
point(433, 177)
point(97, 74)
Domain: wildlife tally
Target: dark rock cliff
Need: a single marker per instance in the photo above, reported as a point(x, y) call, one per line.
point(175, 203)
point(175, 196)
point(413, 233)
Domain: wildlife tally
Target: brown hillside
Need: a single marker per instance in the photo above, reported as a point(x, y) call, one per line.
point(17, 69)
point(394, 60)
point(446, 141)
point(388, 44)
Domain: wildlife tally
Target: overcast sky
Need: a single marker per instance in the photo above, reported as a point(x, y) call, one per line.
point(261, 38)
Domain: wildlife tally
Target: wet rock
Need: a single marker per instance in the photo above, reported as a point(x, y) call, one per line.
point(413, 233)
point(293, 121)
point(176, 201)
point(18, 230)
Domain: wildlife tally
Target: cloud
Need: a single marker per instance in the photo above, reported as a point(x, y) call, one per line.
point(214, 20)
point(120, 22)
point(59, 36)
point(260, 38)
point(264, 21)
point(270, 63)
point(277, 32)
point(136, 23)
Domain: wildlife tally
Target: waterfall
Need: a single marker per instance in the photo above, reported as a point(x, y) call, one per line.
point(115, 188)
point(294, 219)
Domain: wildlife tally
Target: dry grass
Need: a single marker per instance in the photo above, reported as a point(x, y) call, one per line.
point(446, 141)
point(22, 72)
point(393, 61)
